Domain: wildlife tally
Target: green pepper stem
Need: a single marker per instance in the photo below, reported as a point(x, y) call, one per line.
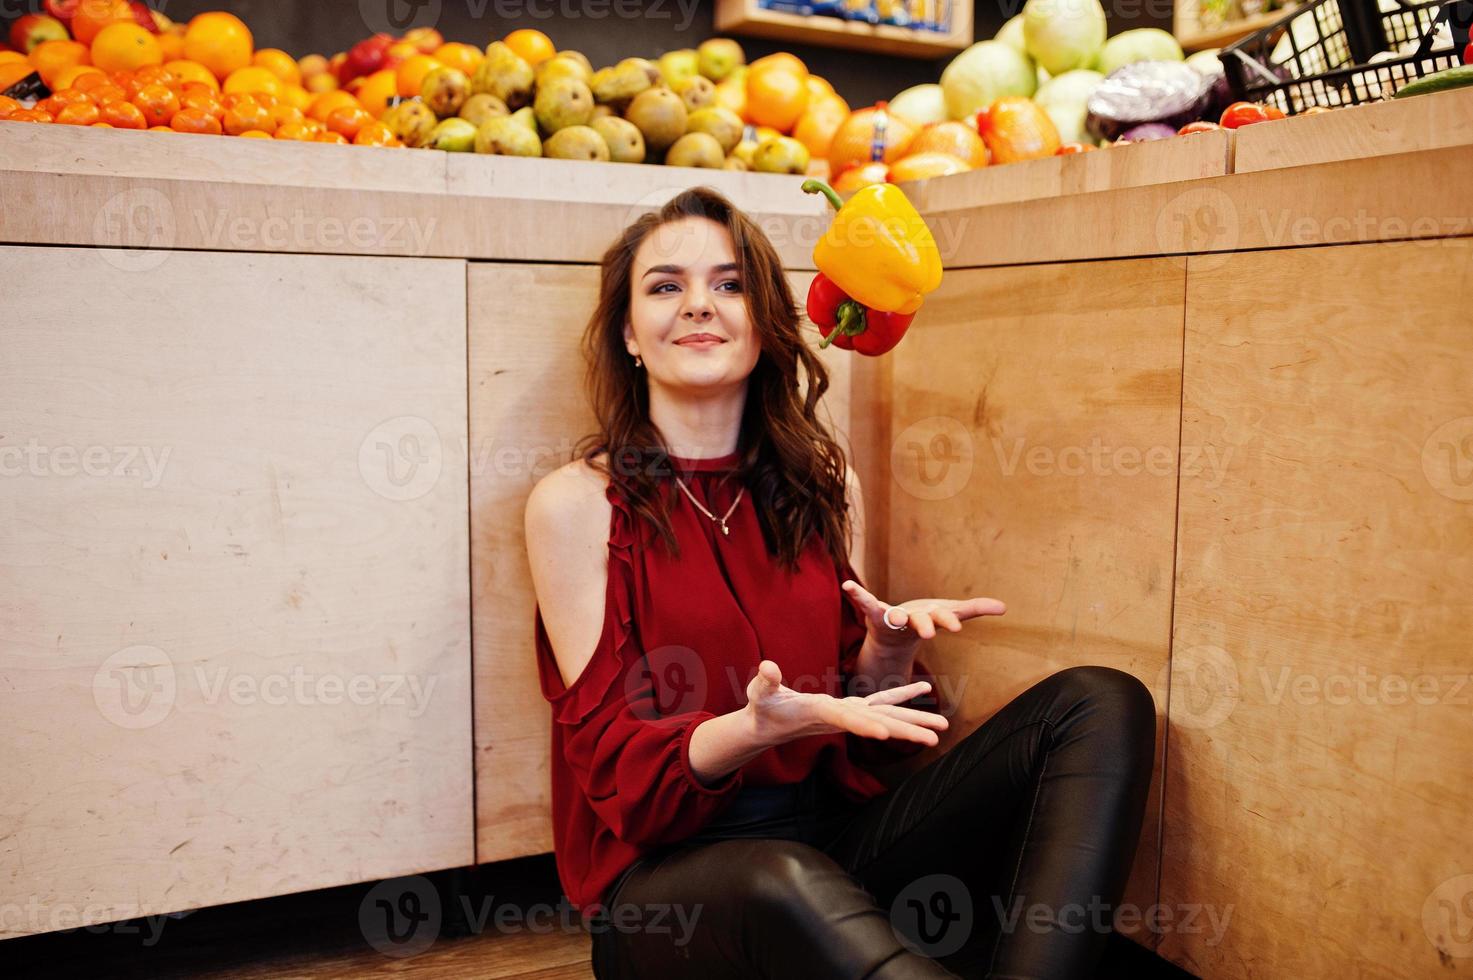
point(851, 321)
point(815, 186)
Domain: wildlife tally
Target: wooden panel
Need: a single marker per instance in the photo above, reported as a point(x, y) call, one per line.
point(1412, 195)
point(234, 624)
point(1318, 788)
point(1034, 460)
point(518, 435)
point(1427, 122)
point(1132, 165)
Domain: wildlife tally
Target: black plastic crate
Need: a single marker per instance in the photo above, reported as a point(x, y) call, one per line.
point(1344, 52)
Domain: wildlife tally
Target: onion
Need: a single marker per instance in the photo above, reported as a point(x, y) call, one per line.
point(1167, 92)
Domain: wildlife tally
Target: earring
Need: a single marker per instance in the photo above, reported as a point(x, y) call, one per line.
point(637, 361)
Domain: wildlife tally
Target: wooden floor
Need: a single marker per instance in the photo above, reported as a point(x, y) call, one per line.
point(330, 934)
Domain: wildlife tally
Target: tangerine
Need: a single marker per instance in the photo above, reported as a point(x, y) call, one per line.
point(466, 57)
point(192, 71)
point(50, 58)
point(79, 114)
point(411, 75)
point(10, 73)
point(328, 101)
point(252, 79)
point(7, 106)
point(247, 115)
point(158, 102)
point(31, 115)
point(256, 134)
point(330, 137)
point(195, 121)
point(378, 89)
point(294, 131)
point(123, 115)
point(68, 77)
point(348, 121)
point(374, 134)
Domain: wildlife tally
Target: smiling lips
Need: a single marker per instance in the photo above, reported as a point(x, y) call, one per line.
point(700, 340)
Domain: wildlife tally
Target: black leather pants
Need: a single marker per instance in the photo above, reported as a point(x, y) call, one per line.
point(1005, 857)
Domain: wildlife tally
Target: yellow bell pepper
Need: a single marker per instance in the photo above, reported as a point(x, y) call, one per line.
point(878, 249)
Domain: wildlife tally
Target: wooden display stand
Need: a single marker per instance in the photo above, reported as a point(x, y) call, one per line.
point(1205, 429)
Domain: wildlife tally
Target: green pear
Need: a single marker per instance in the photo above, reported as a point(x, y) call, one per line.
point(660, 115)
point(478, 108)
point(454, 135)
point(445, 90)
point(695, 150)
point(717, 121)
point(620, 83)
point(676, 66)
point(506, 136)
point(718, 57)
point(561, 103)
point(412, 121)
point(696, 92)
point(780, 155)
point(504, 74)
point(625, 141)
point(576, 143)
point(563, 65)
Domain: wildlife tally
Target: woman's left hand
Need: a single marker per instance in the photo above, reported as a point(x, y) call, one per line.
point(921, 616)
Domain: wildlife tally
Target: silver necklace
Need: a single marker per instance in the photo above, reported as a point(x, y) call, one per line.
point(720, 521)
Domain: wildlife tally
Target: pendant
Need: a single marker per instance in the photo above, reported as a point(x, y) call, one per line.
point(724, 529)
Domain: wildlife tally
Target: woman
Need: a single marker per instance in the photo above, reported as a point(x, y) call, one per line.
point(723, 685)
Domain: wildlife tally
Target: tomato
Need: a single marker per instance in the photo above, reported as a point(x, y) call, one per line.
point(1242, 113)
point(1272, 111)
point(1200, 126)
point(1071, 148)
point(62, 10)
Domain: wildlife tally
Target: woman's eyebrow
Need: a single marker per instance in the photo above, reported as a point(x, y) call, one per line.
point(678, 269)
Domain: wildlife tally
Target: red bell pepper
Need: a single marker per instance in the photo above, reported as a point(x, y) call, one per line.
point(848, 324)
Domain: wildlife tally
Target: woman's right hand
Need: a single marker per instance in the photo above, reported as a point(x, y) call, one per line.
point(781, 714)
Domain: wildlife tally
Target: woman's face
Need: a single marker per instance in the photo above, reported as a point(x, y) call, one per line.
point(686, 282)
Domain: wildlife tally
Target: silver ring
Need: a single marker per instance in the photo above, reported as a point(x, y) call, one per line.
point(886, 617)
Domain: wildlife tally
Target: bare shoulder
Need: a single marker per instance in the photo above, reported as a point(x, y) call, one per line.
point(855, 495)
point(567, 531)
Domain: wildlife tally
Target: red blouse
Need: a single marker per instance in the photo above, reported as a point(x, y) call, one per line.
point(681, 640)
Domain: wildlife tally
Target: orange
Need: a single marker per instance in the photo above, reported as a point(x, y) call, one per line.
point(79, 114)
point(320, 82)
point(158, 102)
point(534, 46)
point(820, 122)
point(951, 136)
point(777, 95)
point(295, 95)
point(252, 78)
point(932, 163)
point(192, 71)
point(171, 42)
point(859, 176)
point(378, 89)
point(7, 106)
point(853, 142)
point(219, 41)
point(91, 16)
point(783, 60)
point(278, 63)
point(328, 101)
point(411, 74)
point(330, 137)
point(247, 115)
point(294, 131)
point(195, 121)
point(348, 121)
point(374, 134)
point(818, 87)
point(68, 77)
point(8, 56)
point(50, 58)
point(123, 115)
point(12, 73)
point(123, 45)
point(466, 57)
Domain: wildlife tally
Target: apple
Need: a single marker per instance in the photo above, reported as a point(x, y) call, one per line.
point(365, 57)
point(426, 40)
point(143, 16)
point(32, 29)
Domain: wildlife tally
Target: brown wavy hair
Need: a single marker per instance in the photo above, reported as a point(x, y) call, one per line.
point(793, 468)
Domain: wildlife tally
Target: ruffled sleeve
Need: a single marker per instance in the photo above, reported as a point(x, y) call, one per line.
point(631, 762)
point(852, 633)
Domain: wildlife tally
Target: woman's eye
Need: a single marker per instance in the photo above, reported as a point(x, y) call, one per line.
point(661, 287)
point(734, 283)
